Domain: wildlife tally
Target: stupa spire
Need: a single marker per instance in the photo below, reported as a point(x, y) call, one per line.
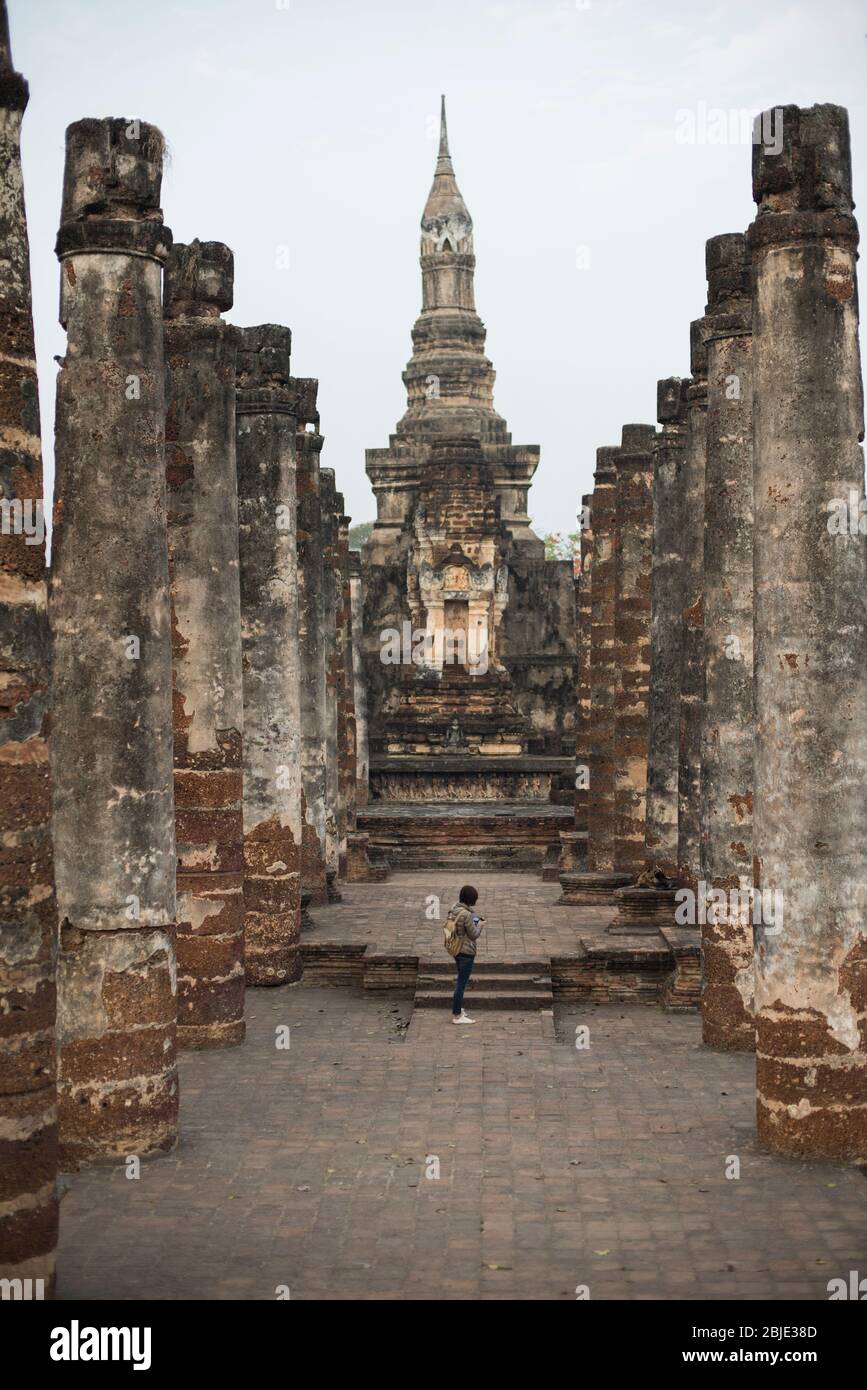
point(444, 133)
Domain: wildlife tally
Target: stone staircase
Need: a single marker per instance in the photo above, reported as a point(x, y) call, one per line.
point(508, 985)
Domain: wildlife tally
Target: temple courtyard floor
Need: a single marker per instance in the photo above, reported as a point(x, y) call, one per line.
point(385, 1154)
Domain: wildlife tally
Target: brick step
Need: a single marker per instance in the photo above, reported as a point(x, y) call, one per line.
point(520, 1000)
point(484, 858)
point(488, 984)
point(525, 966)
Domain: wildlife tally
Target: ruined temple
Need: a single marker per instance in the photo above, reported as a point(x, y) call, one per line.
point(468, 629)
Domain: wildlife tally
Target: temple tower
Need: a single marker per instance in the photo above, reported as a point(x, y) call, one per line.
point(479, 701)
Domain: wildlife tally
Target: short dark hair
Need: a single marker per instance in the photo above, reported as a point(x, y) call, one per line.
point(469, 896)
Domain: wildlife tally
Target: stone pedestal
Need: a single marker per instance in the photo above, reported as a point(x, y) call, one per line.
point(28, 912)
point(269, 632)
point(810, 558)
point(206, 643)
point(592, 889)
point(114, 833)
point(728, 728)
point(643, 910)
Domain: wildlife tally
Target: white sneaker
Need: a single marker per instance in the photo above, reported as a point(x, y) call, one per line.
point(463, 1017)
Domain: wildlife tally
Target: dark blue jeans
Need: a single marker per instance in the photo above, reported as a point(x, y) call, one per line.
point(465, 969)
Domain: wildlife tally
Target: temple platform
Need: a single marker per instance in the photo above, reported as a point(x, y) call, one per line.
point(533, 952)
point(466, 835)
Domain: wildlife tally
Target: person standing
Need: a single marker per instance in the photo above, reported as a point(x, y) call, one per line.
point(467, 926)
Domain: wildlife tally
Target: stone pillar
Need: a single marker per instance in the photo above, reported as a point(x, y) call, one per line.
point(598, 884)
point(810, 568)
point(114, 820)
point(729, 726)
point(634, 549)
point(28, 911)
point(573, 843)
point(269, 639)
point(666, 626)
point(692, 613)
point(362, 755)
point(330, 600)
point(311, 639)
point(206, 643)
point(345, 690)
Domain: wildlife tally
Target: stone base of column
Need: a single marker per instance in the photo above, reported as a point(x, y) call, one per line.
point(117, 1083)
point(550, 870)
point(796, 1058)
point(28, 1099)
point(313, 867)
point(210, 888)
point(210, 963)
point(727, 1020)
point(591, 889)
point(307, 922)
point(359, 866)
point(272, 907)
point(682, 992)
point(334, 893)
point(573, 852)
point(642, 910)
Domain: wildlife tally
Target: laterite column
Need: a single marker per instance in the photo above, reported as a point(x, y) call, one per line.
point(311, 640)
point(28, 911)
point(692, 702)
point(330, 601)
point(632, 642)
point(666, 626)
point(597, 885)
point(269, 634)
point(206, 643)
point(114, 819)
point(726, 853)
point(810, 799)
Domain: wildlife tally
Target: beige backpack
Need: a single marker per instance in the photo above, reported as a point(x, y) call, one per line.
point(454, 937)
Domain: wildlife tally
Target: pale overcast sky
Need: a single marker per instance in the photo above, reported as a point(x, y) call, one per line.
point(311, 124)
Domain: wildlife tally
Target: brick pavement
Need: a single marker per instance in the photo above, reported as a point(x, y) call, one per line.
point(520, 916)
point(558, 1167)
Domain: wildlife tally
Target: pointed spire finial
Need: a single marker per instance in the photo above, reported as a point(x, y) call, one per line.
point(444, 134)
point(5, 45)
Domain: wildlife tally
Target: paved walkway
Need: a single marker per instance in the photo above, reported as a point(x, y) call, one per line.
point(521, 919)
point(603, 1167)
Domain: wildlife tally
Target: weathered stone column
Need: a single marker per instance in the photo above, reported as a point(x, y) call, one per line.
point(597, 885)
point(728, 728)
point(330, 600)
point(362, 764)
point(666, 626)
point(28, 911)
point(584, 614)
point(346, 807)
point(632, 642)
point(269, 634)
point(311, 639)
point(810, 803)
point(573, 843)
point(206, 643)
point(692, 649)
point(114, 823)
